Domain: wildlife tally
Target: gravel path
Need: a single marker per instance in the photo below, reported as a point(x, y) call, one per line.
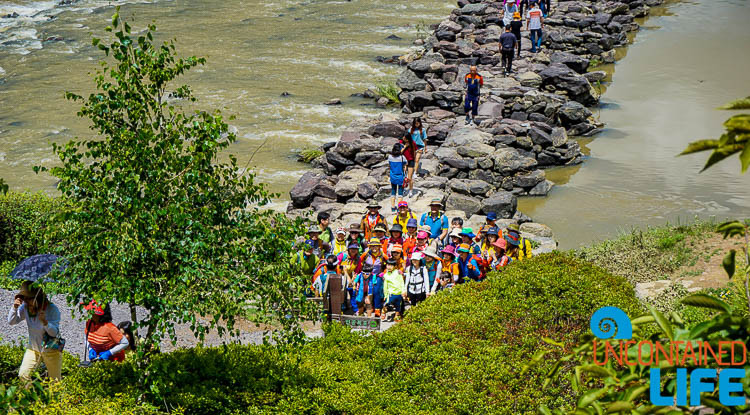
point(72, 329)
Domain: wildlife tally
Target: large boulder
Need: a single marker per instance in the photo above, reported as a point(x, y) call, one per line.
point(367, 190)
point(337, 160)
point(529, 180)
point(450, 26)
point(325, 189)
point(537, 229)
point(541, 189)
point(561, 77)
point(345, 190)
point(570, 60)
point(572, 113)
point(302, 192)
point(476, 8)
point(409, 81)
point(530, 79)
point(508, 161)
point(469, 205)
point(418, 100)
point(387, 129)
point(503, 203)
point(490, 109)
point(475, 149)
point(559, 136)
point(466, 135)
point(423, 65)
point(540, 137)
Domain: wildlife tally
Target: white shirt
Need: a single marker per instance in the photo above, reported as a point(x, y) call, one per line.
point(534, 17)
point(36, 328)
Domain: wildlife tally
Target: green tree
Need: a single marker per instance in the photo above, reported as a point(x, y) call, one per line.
point(158, 220)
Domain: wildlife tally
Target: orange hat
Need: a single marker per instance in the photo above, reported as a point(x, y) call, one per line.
point(516, 15)
point(397, 247)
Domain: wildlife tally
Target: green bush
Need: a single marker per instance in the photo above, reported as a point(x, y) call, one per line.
point(24, 220)
point(461, 352)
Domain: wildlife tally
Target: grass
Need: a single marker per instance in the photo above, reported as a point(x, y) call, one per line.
point(310, 154)
point(389, 90)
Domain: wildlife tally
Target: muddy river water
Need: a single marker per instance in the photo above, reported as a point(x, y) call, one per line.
point(690, 58)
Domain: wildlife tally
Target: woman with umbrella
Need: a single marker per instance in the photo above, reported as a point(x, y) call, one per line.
point(43, 321)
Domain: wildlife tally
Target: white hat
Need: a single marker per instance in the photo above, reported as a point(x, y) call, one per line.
point(417, 256)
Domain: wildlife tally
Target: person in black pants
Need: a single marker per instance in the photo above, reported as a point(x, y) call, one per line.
point(515, 28)
point(507, 47)
point(523, 3)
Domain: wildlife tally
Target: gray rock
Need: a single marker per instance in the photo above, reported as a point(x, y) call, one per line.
point(469, 205)
point(509, 160)
point(418, 100)
point(596, 76)
point(572, 113)
point(537, 229)
point(338, 160)
point(559, 137)
point(348, 144)
point(529, 180)
point(409, 81)
point(530, 79)
point(475, 149)
point(366, 190)
point(491, 109)
point(460, 186)
point(369, 158)
point(539, 137)
point(541, 189)
point(503, 203)
point(387, 129)
point(467, 135)
point(479, 187)
point(570, 60)
point(450, 26)
point(345, 189)
point(477, 8)
point(382, 102)
point(423, 65)
point(302, 192)
point(325, 189)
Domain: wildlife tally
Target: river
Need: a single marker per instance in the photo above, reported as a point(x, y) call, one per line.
point(689, 58)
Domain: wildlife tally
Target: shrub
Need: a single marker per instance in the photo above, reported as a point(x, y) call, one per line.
point(389, 90)
point(310, 154)
point(461, 351)
point(24, 221)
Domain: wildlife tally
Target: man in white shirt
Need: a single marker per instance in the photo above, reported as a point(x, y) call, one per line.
point(535, 24)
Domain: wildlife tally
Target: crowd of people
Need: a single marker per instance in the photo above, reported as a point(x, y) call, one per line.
point(386, 267)
point(104, 340)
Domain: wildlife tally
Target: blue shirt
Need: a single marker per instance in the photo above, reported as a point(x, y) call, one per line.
point(436, 225)
point(397, 164)
point(419, 136)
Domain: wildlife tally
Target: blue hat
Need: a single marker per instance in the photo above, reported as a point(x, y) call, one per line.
point(492, 216)
point(412, 223)
point(493, 231)
point(352, 246)
point(309, 244)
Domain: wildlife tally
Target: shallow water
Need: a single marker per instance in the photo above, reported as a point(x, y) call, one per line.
point(686, 61)
point(315, 50)
point(683, 65)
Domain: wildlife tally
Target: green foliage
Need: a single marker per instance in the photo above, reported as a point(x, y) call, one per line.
point(310, 154)
point(458, 352)
point(155, 218)
point(388, 89)
point(3, 187)
point(25, 220)
point(733, 141)
point(739, 104)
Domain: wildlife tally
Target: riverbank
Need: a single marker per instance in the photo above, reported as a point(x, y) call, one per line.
point(524, 120)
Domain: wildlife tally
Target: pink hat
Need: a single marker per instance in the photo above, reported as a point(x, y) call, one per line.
point(422, 235)
point(449, 250)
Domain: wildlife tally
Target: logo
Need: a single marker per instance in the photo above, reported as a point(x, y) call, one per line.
point(613, 323)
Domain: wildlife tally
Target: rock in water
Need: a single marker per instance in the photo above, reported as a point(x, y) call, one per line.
point(393, 37)
point(334, 101)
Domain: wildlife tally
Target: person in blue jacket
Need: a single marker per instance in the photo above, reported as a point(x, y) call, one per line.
point(468, 268)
